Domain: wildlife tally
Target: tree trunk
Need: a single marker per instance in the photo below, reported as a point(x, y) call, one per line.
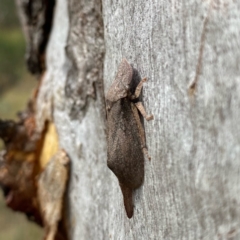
point(189, 51)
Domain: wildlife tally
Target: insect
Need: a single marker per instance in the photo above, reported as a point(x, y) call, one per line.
point(125, 134)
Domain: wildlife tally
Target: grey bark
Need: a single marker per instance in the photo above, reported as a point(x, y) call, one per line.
point(190, 53)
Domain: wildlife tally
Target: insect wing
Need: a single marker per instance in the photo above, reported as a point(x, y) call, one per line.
point(125, 156)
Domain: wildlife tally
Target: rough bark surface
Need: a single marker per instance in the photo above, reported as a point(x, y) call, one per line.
point(71, 96)
point(189, 51)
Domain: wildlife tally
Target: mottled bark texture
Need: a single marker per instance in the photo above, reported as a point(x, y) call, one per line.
point(85, 50)
point(189, 51)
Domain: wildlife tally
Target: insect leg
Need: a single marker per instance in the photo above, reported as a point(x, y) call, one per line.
point(142, 110)
point(138, 89)
point(141, 130)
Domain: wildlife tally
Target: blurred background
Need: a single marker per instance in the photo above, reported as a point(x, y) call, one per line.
point(16, 86)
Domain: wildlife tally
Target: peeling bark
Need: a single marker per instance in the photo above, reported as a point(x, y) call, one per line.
point(19, 166)
point(36, 17)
